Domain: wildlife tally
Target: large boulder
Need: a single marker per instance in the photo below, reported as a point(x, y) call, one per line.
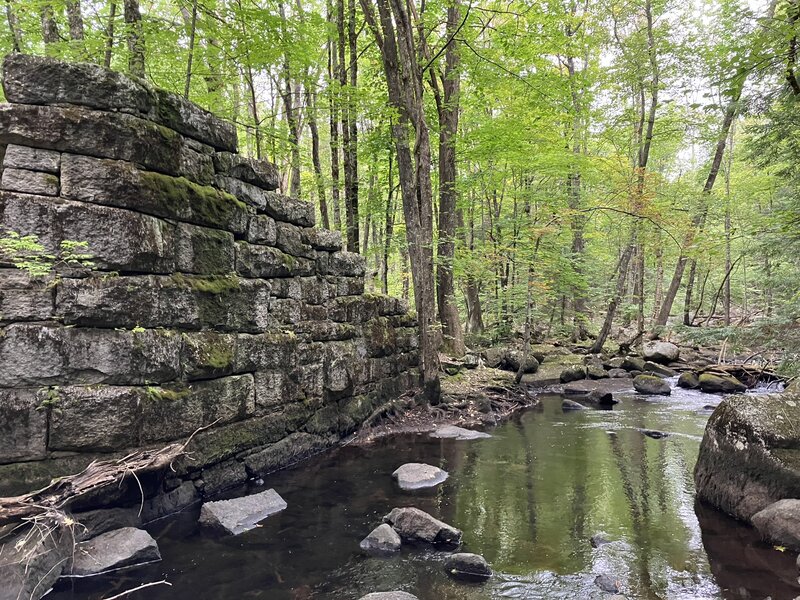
point(573, 373)
point(689, 380)
point(415, 525)
point(31, 563)
point(515, 358)
point(661, 352)
point(414, 476)
point(750, 454)
point(495, 357)
point(651, 385)
point(467, 566)
point(241, 514)
point(381, 540)
point(657, 369)
point(779, 523)
point(596, 372)
point(126, 547)
point(720, 384)
point(632, 363)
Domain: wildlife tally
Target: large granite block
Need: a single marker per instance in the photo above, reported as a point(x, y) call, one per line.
point(29, 182)
point(23, 424)
point(265, 261)
point(203, 250)
point(24, 299)
point(34, 159)
point(260, 173)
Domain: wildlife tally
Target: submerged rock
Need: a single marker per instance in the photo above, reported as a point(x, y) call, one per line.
point(651, 385)
point(568, 405)
point(126, 547)
point(458, 433)
point(396, 595)
point(720, 384)
point(381, 540)
point(655, 434)
point(573, 373)
point(661, 352)
point(779, 523)
point(241, 514)
point(596, 391)
point(415, 525)
point(599, 539)
point(748, 458)
point(689, 380)
point(414, 476)
point(464, 565)
point(607, 583)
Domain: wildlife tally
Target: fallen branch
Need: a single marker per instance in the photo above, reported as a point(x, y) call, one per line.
point(136, 589)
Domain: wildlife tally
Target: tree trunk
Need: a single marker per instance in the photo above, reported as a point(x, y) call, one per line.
point(622, 276)
point(135, 36)
point(75, 20)
point(687, 303)
point(453, 335)
point(13, 27)
point(394, 36)
point(49, 25)
point(333, 69)
point(315, 157)
point(109, 45)
point(389, 224)
point(192, 23)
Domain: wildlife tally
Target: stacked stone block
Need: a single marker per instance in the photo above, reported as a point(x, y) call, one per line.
point(213, 300)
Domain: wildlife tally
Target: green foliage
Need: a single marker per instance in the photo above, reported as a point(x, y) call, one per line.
point(27, 253)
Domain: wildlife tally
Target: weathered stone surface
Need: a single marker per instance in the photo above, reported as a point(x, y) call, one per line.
point(208, 354)
point(414, 525)
point(750, 454)
point(121, 548)
point(34, 159)
point(661, 352)
point(288, 450)
point(568, 405)
point(44, 559)
point(168, 503)
point(619, 374)
point(120, 184)
point(458, 433)
point(260, 173)
point(595, 391)
point(23, 425)
point(381, 540)
point(573, 373)
point(632, 363)
point(36, 355)
point(290, 241)
point(203, 250)
point(467, 566)
point(24, 299)
point(689, 380)
point(651, 385)
point(657, 369)
point(414, 476)
point(262, 229)
point(222, 476)
point(515, 357)
point(347, 264)
point(103, 520)
point(779, 523)
point(199, 404)
point(272, 350)
point(720, 384)
point(596, 372)
point(29, 182)
point(607, 583)
point(42, 80)
point(322, 239)
point(118, 240)
point(265, 261)
point(241, 514)
point(290, 210)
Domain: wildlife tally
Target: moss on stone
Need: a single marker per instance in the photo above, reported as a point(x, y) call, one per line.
point(168, 394)
point(214, 284)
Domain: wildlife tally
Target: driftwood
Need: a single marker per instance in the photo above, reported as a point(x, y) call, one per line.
point(53, 499)
point(750, 375)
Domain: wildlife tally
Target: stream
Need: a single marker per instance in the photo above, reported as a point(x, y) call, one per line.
point(528, 499)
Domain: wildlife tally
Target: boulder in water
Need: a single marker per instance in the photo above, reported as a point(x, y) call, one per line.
point(607, 583)
point(569, 405)
point(415, 525)
point(573, 373)
point(720, 384)
point(596, 372)
point(689, 380)
point(414, 476)
point(381, 540)
point(464, 565)
point(632, 363)
point(395, 595)
point(618, 373)
point(655, 434)
point(117, 549)
point(651, 385)
point(779, 523)
point(241, 514)
point(657, 369)
point(661, 352)
point(599, 539)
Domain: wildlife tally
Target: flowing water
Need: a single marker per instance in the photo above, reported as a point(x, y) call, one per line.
point(528, 499)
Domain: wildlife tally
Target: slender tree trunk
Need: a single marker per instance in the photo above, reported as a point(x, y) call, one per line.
point(315, 157)
point(352, 121)
point(13, 27)
point(49, 25)
point(687, 303)
point(135, 36)
point(389, 224)
point(192, 22)
point(333, 70)
point(109, 45)
point(726, 299)
point(75, 20)
point(471, 288)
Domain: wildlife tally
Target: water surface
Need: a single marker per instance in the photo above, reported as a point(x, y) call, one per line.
point(528, 499)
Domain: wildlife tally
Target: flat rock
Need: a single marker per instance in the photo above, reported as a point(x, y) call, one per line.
point(573, 373)
point(414, 476)
point(720, 384)
point(415, 525)
point(651, 385)
point(657, 369)
point(779, 523)
point(117, 549)
point(389, 596)
point(381, 540)
point(661, 352)
point(619, 373)
point(464, 565)
point(241, 514)
point(458, 433)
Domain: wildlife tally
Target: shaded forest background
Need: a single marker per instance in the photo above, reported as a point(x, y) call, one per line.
point(597, 171)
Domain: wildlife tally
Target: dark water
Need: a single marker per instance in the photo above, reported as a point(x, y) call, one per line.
point(527, 499)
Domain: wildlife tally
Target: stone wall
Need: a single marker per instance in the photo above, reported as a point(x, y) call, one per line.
point(213, 300)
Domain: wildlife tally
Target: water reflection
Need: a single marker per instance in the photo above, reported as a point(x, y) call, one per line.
point(528, 499)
